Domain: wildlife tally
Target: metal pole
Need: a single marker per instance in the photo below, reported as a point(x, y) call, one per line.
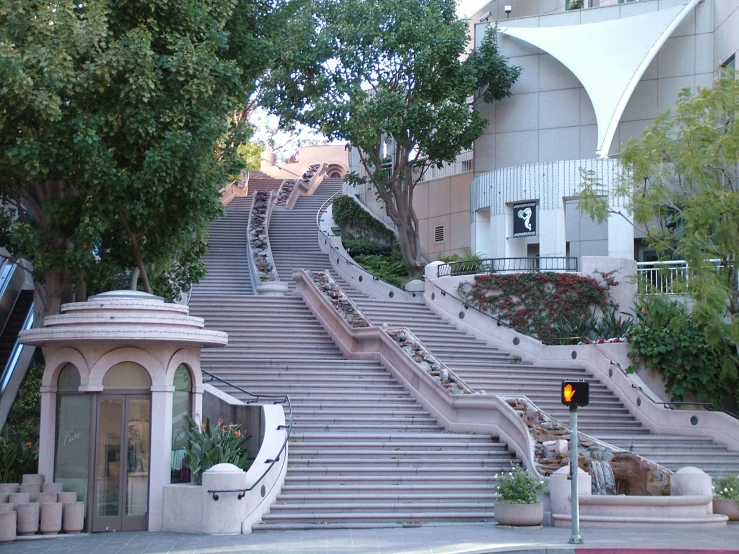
point(574, 451)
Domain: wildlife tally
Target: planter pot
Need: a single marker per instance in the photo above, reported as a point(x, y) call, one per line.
point(7, 507)
point(8, 522)
point(28, 518)
point(52, 487)
point(74, 517)
point(66, 497)
point(3, 497)
point(33, 479)
point(19, 498)
point(726, 507)
point(31, 488)
point(519, 515)
point(44, 497)
point(9, 488)
point(51, 518)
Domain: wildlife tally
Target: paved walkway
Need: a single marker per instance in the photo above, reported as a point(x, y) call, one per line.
point(479, 539)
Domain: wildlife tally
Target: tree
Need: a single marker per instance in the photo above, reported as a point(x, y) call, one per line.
point(682, 180)
point(117, 128)
point(391, 78)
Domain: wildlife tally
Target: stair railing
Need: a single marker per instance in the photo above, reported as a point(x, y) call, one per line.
point(254, 399)
point(15, 353)
point(709, 406)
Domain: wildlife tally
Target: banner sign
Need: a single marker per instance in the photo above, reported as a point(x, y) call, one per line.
point(524, 220)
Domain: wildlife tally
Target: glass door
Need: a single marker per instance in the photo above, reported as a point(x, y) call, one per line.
point(121, 493)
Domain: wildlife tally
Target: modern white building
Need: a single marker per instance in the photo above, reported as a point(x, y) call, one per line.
point(591, 78)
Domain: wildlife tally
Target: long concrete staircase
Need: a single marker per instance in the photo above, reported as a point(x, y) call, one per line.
point(363, 452)
point(484, 367)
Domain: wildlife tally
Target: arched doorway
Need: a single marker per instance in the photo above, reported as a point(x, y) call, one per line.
point(122, 450)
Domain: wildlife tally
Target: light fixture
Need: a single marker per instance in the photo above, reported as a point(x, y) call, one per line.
point(508, 10)
point(485, 16)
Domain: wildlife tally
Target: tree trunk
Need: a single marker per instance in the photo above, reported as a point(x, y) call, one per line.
point(136, 250)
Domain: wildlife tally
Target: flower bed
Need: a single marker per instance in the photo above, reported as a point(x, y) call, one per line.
point(340, 301)
point(415, 350)
point(258, 239)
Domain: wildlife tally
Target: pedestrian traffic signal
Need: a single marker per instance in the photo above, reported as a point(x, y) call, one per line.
point(575, 393)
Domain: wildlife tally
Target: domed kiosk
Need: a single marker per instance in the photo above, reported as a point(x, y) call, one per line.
point(122, 371)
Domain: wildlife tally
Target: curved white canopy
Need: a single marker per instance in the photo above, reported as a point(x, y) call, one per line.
point(608, 57)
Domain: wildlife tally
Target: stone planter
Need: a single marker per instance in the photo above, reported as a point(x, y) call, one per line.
point(33, 479)
point(28, 518)
point(52, 487)
point(19, 498)
point(51, 518)
point(7, 507)
point(8, 524)
point(74, 517)
point(44, 497)
point(519, 515)
point(726, 507)
point(3, 497)
point(31, 488)
point(9, 488)
point(66, 497)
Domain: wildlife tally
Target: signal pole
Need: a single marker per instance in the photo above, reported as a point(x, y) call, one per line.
point(575, 499)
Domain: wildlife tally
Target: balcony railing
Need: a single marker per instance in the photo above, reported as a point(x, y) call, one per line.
point(501, 265)
point(668, 277)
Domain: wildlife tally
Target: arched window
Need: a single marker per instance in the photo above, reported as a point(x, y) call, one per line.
point(126, 375)
point(181, 407)
point(73, 422)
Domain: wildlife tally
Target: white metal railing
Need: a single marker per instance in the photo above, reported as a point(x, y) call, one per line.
point(460, 165)
point(669, 277)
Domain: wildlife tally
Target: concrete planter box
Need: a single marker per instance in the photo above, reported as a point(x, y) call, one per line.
point(9, 488)
point(8, 522)
point(51, 518)
point(727, 507)
point(28, 518)
point(519, 515)
point(73, 519)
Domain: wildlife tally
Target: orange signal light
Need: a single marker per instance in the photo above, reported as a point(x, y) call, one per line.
point(575, 393)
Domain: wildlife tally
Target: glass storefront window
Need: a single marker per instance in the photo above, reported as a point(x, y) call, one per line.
point(181, 406)
point(126, 375)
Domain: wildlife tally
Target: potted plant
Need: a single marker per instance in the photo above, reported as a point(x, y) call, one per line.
point(726, 496)
point(214, 443)
point(518, 498)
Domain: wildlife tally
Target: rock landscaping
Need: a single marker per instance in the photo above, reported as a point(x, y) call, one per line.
point(284, 192)
point(340, 301)
point(416, 351)
point(259, 240)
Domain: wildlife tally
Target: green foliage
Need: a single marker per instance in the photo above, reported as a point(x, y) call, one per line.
point(682, 182)
point(467, 255)
point(393, 73)
point(533, 302)
point(115, 134)
point(251, 152)
point(363, 247)
point(212, 444)
point(22, 424)
point(518, 487)
point(726, 487)
point(352, 217)
point(668, 340)
point(390, 269)
point(16, 458)
point(592, 328)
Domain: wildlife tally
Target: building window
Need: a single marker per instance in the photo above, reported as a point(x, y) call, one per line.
point(181, 407)
point(439, 233)
point(729, 66)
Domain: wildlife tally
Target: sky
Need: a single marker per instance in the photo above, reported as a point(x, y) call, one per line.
point(465, 8)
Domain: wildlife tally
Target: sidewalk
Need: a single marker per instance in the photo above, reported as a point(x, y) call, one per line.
point(479, 539)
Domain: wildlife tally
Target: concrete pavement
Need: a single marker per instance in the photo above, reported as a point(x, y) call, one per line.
point(468, 539)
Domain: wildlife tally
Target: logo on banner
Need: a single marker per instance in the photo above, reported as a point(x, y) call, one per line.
point(524, 220)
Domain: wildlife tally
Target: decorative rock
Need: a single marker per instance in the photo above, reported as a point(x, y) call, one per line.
point(9, 488)
point(46, 497)
point(66, 497)
point(28, 518)
point(19, 498)
point(690, 481)
point(51, 518)
point(33, 479)
point(74, 517)
point(52, 487)
point(8, 524)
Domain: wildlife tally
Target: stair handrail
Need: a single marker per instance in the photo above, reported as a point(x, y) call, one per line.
point(255, 398)
point(523, 264)
point(708, 406)
point(327, 241)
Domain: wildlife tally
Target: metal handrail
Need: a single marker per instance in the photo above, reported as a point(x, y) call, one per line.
point(275, 399)
point(17, 349)
point(708, 406)
point(496, 265)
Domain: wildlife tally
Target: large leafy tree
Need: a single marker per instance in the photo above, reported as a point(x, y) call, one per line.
point(682, 182)
point(385, 74)
point(119, 121)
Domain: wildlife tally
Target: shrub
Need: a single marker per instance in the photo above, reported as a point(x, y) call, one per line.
point(571, 330)
point(668, 341)
point(518, 487)
point(16, 458)
point(726, 487)
point(211, 444)
point(352, 217)
point(390, 269)
point(363, 247)
point(23, 419)
point(534, 302)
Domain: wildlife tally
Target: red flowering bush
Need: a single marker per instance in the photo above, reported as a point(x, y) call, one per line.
point(534, 303)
